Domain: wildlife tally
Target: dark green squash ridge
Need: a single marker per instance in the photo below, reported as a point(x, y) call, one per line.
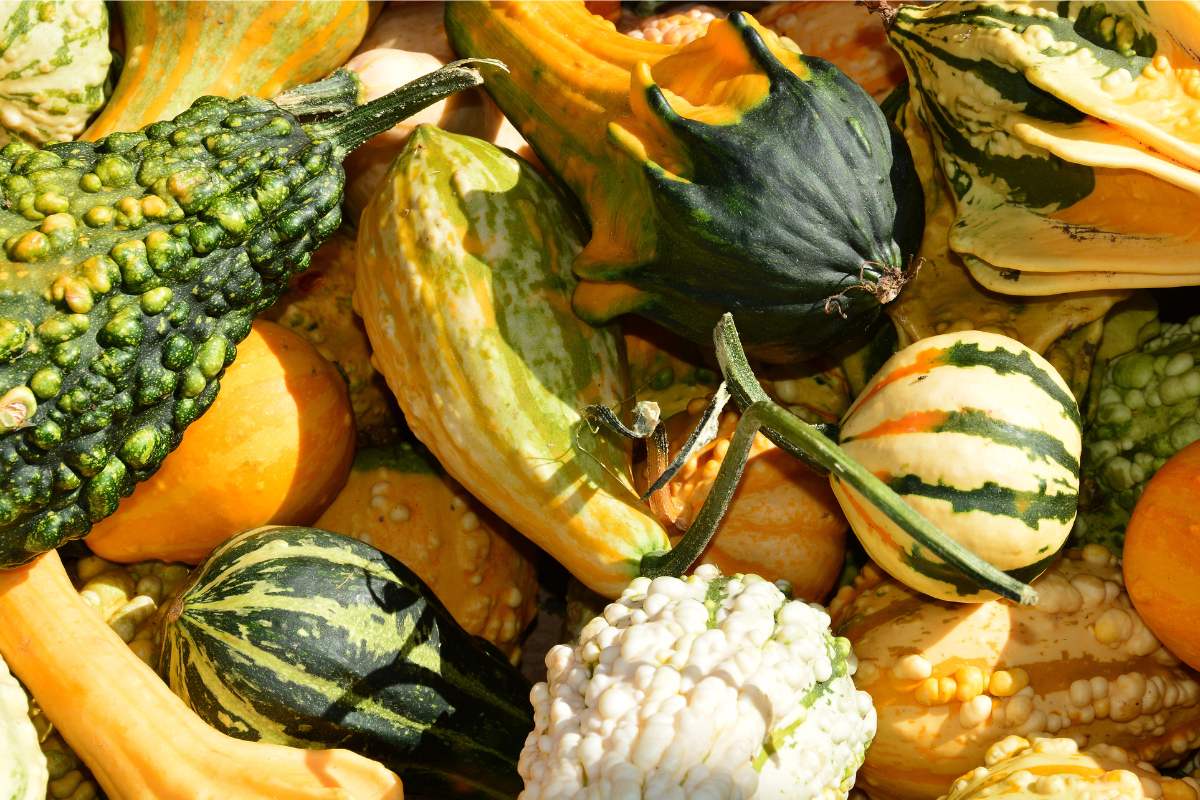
point(307, 638)
point(133, 266)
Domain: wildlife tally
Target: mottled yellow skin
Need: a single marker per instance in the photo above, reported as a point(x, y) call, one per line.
point(949, 680)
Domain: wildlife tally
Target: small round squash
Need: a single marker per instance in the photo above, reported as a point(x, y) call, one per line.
point(1162, 554)
point(275, 448)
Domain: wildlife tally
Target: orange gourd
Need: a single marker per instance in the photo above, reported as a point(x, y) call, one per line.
point(275, 448)
point(139, 739)
point(1162, 554)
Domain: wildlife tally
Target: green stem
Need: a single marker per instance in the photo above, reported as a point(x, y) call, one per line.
point(351, 130)
point(336, 94)
point(759, 411)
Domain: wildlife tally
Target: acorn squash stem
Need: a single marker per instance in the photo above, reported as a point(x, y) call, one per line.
point(759, 411)
point(350, 131)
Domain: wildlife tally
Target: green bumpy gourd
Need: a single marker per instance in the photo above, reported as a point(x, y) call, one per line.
point(132, 267)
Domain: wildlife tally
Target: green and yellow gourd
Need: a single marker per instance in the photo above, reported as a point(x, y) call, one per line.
point(948, 680)
point(675, 237)
point(1073, 148)
point(981, 436)
point(464, 283)
point(133, 266)
point(23, 773)
point(178, 52)
point(56, 61)
point(307, 638)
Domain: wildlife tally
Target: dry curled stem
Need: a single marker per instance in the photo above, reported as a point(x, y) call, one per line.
point(892, 281)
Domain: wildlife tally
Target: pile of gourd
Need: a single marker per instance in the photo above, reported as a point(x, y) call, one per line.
point(353, 353)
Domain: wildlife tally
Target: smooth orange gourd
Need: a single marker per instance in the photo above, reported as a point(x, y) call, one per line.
point(1162, 554)
point(139, 739)
point(275, 448)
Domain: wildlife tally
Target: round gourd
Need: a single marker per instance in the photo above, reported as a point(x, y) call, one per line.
point(1016, 768)
point(1162, 554)
point(23, 773)
point(950, 679)
point(274, 448)
point(398, 500)
point(783, 521)
point(980, 435)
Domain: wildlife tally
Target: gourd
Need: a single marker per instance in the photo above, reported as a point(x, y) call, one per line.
point(303, 637)
point(673, 27)
point(138, 738)
point(399, 500)
point(664, 368)
point(283, 463)
point(803, 246)
point(981, 436)
point(1161, 554)
point(178, 52)
point(464, 284)
point(319, 305)
point(407, 41)
point(133, 267)
point(23, 773)
point(844, 33)
point(1074, 151)
point(56, 60)
point(948, 680)
point(1020, 768)
point(783, 521)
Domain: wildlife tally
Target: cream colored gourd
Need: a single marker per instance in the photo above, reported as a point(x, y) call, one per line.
point(948, 680)
point(139, 739)
point(23, 773)
point(1016, 768)
point(980, 435)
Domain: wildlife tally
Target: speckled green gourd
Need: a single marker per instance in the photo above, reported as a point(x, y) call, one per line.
point(132, 267)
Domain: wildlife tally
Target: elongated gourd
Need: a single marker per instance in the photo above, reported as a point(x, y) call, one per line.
point(948, 679)
point(981, 436)
point(698, 204)
point(133, 266)
point(138, 738)
point(178, 52)
point(464, 284)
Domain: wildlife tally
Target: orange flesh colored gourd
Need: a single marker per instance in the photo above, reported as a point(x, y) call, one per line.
point(177, 52)
point(1162, 554)
point(949, 680)
point(137, 737)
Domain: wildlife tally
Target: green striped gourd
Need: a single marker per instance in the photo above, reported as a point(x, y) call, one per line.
point(56, 61)
point(981, 436)
point(23, 773)
point(311, 639)
point(464, 282)
point(1070, 134)
point(131, 269)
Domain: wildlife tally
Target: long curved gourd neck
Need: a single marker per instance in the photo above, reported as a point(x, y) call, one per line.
point(598, 106)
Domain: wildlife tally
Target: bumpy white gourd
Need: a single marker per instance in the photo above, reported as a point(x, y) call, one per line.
point(23, 772)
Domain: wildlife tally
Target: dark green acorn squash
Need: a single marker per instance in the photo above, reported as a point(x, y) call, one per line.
point(731, 174)
point(311, 639)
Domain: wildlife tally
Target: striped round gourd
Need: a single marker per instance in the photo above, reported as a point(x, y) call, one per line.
point(311, 639)
point(979, 434)
point(23, 773)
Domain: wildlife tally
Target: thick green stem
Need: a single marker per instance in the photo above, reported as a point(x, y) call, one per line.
point(337, 94)
point(759, 411)
point(351, 130)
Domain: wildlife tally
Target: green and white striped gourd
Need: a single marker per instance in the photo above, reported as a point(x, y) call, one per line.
point(23, 773)
point(311, 639)
point(56, 61)
point(980, 435)
point(1070, 134)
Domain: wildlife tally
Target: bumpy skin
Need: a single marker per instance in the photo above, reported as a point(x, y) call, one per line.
point(707, 687)
point(1148, 409)
point(949, 680)
point(23, 773)
point(1016, 768)
point(132, 268)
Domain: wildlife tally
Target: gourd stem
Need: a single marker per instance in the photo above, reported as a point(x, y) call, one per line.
point(351, 130)
point(761, 411)
point(336, 94)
